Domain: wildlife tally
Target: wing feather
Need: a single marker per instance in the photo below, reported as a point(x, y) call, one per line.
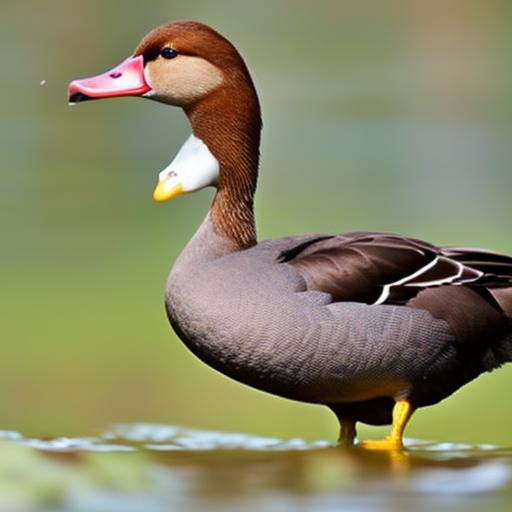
point(383, 268)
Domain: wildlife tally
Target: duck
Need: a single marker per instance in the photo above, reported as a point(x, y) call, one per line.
point(372, 325)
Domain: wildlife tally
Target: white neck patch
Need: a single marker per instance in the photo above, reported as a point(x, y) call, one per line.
point(194, 167)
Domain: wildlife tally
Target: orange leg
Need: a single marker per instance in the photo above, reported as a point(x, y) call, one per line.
point(402, 412)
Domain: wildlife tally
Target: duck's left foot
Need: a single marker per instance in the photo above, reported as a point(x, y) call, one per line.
point(388, 444)
point(393, 442)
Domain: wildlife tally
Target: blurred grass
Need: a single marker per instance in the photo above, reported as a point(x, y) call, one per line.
point(392, 116)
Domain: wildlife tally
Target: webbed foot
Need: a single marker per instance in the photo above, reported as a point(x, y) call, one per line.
point(402, 412)
point(387, 444)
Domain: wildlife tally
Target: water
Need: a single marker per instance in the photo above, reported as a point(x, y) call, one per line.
point(157, 468)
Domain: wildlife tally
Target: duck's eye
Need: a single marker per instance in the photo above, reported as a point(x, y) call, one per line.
point(168, 53)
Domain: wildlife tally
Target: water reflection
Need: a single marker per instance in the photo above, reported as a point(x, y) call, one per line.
point(149, 468)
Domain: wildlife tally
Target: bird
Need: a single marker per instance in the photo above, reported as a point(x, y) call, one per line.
point(373, 325)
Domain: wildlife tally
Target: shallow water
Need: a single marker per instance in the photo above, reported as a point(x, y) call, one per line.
point(153, 468)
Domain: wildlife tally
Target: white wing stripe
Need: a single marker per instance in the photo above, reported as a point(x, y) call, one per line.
point(387, 287)
point(450, 278)
point(442, 280)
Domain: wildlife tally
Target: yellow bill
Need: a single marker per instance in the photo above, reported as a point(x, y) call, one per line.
point(166, 189)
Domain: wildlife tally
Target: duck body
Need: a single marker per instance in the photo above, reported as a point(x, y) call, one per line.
point(372, 325)
point(250, 315)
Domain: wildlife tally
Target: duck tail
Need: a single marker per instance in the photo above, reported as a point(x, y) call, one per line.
point(506, 347)
point(496, 282)
point(499, 353)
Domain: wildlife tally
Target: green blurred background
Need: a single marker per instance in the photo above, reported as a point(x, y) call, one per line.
point(379, 115)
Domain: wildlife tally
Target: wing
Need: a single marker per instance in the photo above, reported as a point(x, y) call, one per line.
point(382, 268)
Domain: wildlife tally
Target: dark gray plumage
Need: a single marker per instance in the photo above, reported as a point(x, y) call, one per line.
point(288, 316)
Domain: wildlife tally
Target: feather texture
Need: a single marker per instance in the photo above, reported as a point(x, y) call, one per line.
point(469, 288)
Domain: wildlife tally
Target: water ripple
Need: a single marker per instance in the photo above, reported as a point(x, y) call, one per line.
point(157, 468)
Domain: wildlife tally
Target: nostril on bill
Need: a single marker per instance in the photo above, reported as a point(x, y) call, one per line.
point(77, 97)
point(116, 74)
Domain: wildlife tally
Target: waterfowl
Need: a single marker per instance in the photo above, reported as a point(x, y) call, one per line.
point(371, 325)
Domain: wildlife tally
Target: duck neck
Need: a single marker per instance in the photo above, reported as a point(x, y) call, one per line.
point(228, 121)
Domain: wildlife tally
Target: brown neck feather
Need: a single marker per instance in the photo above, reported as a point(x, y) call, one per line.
point(228, 121)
